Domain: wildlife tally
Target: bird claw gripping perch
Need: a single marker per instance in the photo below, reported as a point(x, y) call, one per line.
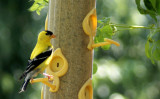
point(49, 76)
point(57, 67)
point(45, 81)
point(89, 26)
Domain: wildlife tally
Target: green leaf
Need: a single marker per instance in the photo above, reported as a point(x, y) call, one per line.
point(150, 4)
point(107, 31)
point(39, 9)
point(38, 5)
point(154, 35)
point(104, 30)
point(140, 9)
point(106, 47)
point(150, 50)
point(99, 21)
point(158, 6)
point(106, 20)
point(150, 9)
point(158, 44)
point(153, 2)
point(156, 54)
point(38, 12)
point(156, 51)
point(46, 1)
point(38, 1)
point(95, 67)
point(138, 2)
point(147, 49)
point(99, 36)
point(34, 7)
point(152, 47)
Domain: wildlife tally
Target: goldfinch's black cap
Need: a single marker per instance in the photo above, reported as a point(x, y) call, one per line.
point(49, 32)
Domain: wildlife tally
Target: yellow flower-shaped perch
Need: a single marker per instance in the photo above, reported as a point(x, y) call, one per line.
point(86, 92)
point(107, 42)
point(57, 66)
point(89, 26)
point(44, 81)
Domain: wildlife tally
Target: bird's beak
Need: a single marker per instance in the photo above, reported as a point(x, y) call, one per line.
point(53, 36)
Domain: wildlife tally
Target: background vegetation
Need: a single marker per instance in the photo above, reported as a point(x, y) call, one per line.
point(123, 72)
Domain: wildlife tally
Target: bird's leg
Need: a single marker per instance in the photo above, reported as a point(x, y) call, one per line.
point(49, 76)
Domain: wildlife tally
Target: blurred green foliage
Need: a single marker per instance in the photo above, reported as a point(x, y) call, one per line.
point(152, 7)
point(104, 30)
point(123, 72)
point(94, 67)
point(18, 32)
point(38, 5)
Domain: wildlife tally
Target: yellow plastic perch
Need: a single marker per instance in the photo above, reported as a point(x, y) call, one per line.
point(44, 81)
point(89, 26)
point(107, 42)
point(58, 66)
point(86, 92)
point(53, 87)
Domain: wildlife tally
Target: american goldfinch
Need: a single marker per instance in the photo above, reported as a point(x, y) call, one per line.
point(38, 57)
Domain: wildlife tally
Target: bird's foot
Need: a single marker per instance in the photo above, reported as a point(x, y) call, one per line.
point(50, 77)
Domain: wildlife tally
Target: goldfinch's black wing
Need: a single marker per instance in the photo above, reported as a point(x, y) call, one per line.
point(32, 64)
point(38, 60)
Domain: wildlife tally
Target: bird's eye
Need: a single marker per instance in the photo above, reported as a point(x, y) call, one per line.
point(49, 33)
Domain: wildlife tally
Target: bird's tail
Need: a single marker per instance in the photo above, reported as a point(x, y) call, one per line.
point(24, 86)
